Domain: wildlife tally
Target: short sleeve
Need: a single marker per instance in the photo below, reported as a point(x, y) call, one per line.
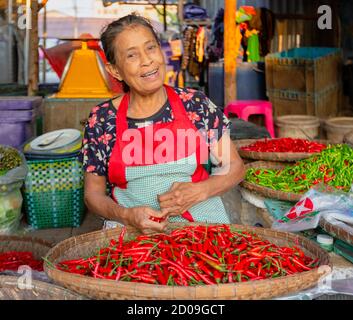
point(218, 122)
point(205, 115)
point(95, 144)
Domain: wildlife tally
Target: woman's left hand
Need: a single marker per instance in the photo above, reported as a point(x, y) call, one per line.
point(181, 197)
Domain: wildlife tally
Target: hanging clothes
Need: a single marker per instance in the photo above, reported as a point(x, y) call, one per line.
point(187, 43)
point(267, 31)
point(253, 50)
point(200, 44)
point(194, 66)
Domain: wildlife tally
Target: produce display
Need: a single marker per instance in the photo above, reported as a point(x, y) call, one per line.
point(285, 145)
point(333, 167)
point(12, 260)
point(192, 255)
point(9, 159)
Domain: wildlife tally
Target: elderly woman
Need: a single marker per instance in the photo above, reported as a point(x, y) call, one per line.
point(151, 144)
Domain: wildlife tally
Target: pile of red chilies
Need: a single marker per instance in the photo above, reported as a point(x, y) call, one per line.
point(12, 260)
point(285, 145)
point(192, 256)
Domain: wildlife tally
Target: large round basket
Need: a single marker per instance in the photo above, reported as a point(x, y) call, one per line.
point(268, 192)
point(13, 288)
point(272, 156)
point(85, 245)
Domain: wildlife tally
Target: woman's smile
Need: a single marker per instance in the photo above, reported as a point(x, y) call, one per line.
point(151, 75)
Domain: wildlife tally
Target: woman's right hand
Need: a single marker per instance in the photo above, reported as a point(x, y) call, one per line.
point(140, 218)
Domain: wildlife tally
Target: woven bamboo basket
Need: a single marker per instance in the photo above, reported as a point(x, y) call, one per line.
point(85, 245)
point(37, 290)
point(272, 156)
point(268, 192)
point(336, 231)
point(38, 247)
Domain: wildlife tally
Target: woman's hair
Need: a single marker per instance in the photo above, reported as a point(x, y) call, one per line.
point(110, 32)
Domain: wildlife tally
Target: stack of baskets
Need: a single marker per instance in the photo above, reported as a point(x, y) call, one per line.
point(269, 160)
point(54, 189)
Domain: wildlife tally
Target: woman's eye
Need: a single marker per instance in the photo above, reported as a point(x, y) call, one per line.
point(152, 47)
point(131, 55)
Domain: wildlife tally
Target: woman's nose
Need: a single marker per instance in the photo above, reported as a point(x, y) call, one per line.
point(146, 60)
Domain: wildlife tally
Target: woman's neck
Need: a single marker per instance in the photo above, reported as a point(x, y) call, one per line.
point(142, 106)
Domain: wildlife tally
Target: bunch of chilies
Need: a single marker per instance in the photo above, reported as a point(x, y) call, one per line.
point(333, 167)
point(285, 145)
point(12, 260)
point(192, 255)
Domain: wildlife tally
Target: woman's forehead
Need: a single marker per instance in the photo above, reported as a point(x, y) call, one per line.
point(134, 35)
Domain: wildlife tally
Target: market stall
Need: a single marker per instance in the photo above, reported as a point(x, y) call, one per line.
point(291, 217)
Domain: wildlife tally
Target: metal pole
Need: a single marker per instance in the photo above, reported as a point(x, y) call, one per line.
point(230, 51)
point(27, 38)
point(76, 22)
point(10, 42)
point(165, 15)
point(44, 66)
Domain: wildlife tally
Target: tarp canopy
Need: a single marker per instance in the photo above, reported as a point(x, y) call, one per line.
point(107, 3)
point(63, 26)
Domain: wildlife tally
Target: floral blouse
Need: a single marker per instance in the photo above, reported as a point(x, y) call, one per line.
point(100, 129)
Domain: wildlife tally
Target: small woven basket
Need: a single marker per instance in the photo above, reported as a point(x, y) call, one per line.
point(38, 247)
point(272, 156)
point(53, 193)
point(86, 245)
point(268, 192)
point(10, 289)
point(336, 231)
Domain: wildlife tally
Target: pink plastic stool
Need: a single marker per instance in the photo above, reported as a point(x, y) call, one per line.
point(245, 108)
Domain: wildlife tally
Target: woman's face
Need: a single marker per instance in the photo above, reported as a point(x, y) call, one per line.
point(139, 59)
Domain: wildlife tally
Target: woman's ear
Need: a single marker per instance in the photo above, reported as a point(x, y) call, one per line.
point(113, 71)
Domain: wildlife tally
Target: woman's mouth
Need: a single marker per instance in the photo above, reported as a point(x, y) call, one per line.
point(150, 75)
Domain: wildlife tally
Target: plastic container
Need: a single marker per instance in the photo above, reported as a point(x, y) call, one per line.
point(325, 242)
point(20, 119)
point(251, 82)
point(298, 126)
point(337, 128)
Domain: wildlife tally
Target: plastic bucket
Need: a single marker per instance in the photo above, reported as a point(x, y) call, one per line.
point(337, 128)
point(298, 126)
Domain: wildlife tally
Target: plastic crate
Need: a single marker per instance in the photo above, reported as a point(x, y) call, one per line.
point(20, 119)
point(53, 193)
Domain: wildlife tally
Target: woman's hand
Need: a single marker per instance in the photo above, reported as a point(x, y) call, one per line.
point(181, 197)
point(145, 219)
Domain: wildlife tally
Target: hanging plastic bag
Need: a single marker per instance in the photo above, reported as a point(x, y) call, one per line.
point(11, 178)
point(306, 213)
point(10, 211)
point(13, 172)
